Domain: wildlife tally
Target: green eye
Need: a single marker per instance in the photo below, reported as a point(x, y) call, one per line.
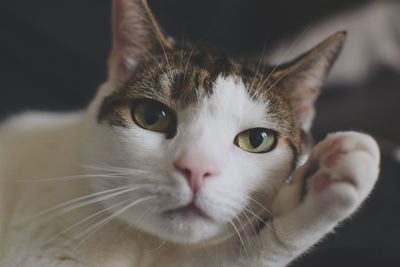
point(153, 116)
point(257, 140)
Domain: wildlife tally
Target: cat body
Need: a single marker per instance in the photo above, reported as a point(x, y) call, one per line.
point(185, 157)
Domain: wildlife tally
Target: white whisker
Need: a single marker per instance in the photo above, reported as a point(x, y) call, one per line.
point(96, 200)
point(243, 228)
point(165, 55)
point(259, 218)
point(81, 222)
point(284, 57)
point(191, 54)
point(112, 169)
point(258, 66)
point(248, 219)
point(115, 192)
point(288, 72)
point(157, 248)
point(182, 44)
point(72, 178)
point(158, 63)
point(147, 212)
point(240, 237)
point(256, 241)
point(262, 206)
point(94, 228)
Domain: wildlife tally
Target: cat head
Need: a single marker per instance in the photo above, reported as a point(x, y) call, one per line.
point(193, 141)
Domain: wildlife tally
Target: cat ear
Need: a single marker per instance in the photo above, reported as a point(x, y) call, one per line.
point(135, 33)
point(301, 80)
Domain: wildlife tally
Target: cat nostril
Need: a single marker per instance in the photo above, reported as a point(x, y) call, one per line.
point(208, 174)
point(186, 172)
point(195, 169)
point(189, 173)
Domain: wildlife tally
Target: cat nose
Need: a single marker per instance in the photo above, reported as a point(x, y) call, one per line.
point(196, 168)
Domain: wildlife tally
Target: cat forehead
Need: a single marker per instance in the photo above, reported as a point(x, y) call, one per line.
point(230, 103)
point(184, 78)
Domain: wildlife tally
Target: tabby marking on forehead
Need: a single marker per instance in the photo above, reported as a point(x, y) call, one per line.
point(177, 80)
point(184, 77)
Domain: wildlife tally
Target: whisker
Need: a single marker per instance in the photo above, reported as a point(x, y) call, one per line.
point(289, 71)
point(112, 169)
point(157, 248)
point(161, 43)
point(248, 219)
point(258, 66)
point(147, 212)
point(243, 228)
point(158, 64)
point(262, 206)
point(81, 222)
point(290, 49)
point(240, 237)
point(192, 51)
point(114, 191)
point(94, 228)
point(259, 218)
point(110, 173)
point(256, 241)
point(72, 178)
point(96, 200)
point(166, 58)
point(188, 61)
point(182, 44)
point(171, 76)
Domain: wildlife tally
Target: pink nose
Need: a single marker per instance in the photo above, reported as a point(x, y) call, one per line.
point(196, 168)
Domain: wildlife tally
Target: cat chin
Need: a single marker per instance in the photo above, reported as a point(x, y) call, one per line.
point(187, 229)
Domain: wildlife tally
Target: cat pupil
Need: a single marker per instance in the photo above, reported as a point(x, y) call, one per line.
point(153, 114)
point(257, 137)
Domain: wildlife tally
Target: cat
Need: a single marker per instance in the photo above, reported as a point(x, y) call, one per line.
point(185, 157)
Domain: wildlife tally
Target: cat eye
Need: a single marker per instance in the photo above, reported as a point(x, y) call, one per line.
point(153, 116)
point(257, 140)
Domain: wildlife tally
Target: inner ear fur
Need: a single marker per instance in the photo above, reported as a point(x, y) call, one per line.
point(300, 80)
point(135, 33)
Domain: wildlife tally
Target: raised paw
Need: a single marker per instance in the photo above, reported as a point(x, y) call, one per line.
point(338, 175)
point(342, 170)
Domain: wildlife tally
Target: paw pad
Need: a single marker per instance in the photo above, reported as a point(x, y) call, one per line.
point(321, 183)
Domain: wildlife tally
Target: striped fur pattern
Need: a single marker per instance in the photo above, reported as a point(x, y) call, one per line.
point(183, 77)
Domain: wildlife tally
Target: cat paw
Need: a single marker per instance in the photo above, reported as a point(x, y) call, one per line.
point(338, 175)
point(341, 171)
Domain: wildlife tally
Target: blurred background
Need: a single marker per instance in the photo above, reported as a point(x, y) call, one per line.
point(53, 56)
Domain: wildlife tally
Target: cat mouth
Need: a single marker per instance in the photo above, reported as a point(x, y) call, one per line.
point(189, 211)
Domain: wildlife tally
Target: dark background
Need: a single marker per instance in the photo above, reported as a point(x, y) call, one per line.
point(53, 56)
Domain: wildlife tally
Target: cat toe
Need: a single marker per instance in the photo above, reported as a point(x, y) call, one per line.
point(348, 165)
point(347, 142)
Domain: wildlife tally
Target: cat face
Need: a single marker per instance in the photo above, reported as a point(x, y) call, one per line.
point(197, 138)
